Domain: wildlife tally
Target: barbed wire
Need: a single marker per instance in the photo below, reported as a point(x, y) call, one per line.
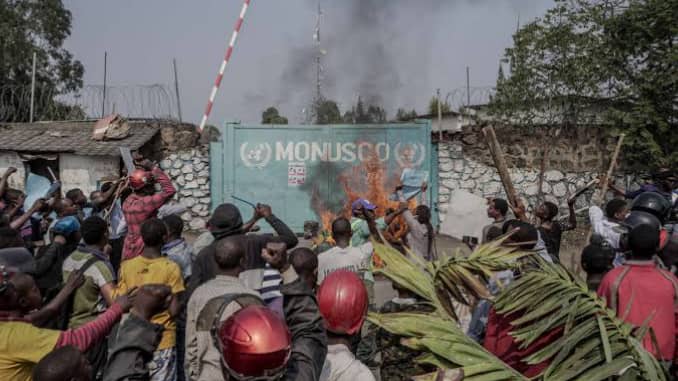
point(132, 101)
point(457, 98)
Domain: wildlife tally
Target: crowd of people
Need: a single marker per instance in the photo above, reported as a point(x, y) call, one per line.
point(106, 287)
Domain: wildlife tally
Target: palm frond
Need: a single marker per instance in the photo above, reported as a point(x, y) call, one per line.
point(596, 344)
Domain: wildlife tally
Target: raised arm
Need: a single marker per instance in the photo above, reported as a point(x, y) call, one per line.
point(5, 178)
point(20, 221)
point(167, 190)
point(88, 334)
point(285, 234)
point(104, 197)
point(46, 313)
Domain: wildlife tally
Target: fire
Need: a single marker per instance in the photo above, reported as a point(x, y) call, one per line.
point(368, 180)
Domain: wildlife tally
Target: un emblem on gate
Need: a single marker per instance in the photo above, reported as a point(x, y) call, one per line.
point(410, 155)
point(256, 157)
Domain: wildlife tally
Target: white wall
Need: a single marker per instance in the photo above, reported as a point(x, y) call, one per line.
point(11, 159)
point(83, 172)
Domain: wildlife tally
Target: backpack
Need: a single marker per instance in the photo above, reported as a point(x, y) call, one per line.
point(210, 315)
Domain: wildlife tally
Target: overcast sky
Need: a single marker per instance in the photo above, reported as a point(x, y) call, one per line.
point(396, 52)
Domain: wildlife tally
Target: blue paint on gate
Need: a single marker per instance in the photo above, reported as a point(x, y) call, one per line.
point(264, 163)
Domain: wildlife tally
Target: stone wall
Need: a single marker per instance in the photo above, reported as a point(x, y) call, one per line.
point(461, 167)
point(189, 170)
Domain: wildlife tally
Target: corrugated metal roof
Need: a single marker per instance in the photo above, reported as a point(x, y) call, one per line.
point(71, 137)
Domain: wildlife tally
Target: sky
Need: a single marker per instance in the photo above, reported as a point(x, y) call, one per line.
point(395, 53)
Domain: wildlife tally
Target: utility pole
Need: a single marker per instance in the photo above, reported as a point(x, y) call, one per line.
point(103, 102)
point(176, 88)
point(316, 36)
point(468, 88)
point(440, 117)
point(33, 89)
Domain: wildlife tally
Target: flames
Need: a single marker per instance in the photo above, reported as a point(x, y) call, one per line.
point(368, 180)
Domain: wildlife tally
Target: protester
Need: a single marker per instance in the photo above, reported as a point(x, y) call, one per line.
point(143, 203)
point(203, 359)
point(342, 299)
point(79, 200)
point(639, 290)
point(344, 256)
point(496, 210)
point(49, 263)
point(596, 260)
point(23, 344)
point(420, 231)
point(315, 239)
point(363, 212)
point(176, 248)
point(397, 362)
point(609, 226)
point(30, 298)
point(550, 230)
point(663, 181)
point(305, 263)
point(110, 209)
point(96, 293)
point(295, 351)
point(226, 221)
point(152, 268)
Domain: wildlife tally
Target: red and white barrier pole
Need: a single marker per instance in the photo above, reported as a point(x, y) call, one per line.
point(227, 57)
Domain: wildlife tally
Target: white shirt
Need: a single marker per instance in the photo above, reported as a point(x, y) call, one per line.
point(355, 259)
point(610, 231)
point(341, 365)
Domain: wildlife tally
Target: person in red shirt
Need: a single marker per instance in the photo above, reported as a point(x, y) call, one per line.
point(639, 290)
point(143, 203)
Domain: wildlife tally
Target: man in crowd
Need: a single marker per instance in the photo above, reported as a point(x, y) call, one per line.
point(550, 230)
point(203, 360)
point(496, 210)
point(344, 256)
point(153, 268)
point(96, 293)
point(609, 226)
point(227, 221)
point(143, 203)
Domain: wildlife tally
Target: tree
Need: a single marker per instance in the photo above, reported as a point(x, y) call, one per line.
point(433, 106)
point(599, 62)
point(39, 27)
point(327, 112)
point(405, 116)
point(271, 116)
point(362, 114)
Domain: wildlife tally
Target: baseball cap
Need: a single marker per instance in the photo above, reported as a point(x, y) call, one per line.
point(364, 203)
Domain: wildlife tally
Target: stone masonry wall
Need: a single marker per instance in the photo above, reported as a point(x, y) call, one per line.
point(189, 170)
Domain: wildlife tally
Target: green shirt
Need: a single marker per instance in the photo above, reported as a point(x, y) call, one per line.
point(361, 231)
point(88, 302)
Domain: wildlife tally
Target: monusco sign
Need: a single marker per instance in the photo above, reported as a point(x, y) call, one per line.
point(290, 167)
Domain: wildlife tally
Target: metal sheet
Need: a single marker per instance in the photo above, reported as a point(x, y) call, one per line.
point(285, 165)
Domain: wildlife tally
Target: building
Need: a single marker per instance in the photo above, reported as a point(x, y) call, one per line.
point(68, 150)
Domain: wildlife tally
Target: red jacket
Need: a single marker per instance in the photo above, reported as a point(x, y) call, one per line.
point(650, 291)
point(138, 208)
point(501, 344)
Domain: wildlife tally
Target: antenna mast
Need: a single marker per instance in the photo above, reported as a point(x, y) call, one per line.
point(319, 52)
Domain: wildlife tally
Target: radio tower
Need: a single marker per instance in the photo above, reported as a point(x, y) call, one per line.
point(319, 53)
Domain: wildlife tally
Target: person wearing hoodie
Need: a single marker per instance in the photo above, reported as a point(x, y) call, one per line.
point(227, 221)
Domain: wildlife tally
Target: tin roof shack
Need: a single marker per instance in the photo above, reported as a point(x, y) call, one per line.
point(67, 148)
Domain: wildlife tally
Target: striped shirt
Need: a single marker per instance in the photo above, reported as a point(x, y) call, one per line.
point(270, 286)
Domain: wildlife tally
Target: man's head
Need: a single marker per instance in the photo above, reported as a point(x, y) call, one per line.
point(229, 253)
point(226, 218)
point(10, 238)
point(94, 231)
point(154, 233)
point(547, 211)
point(643, 241)
point(497, 208)
point(69, 227)
point(598, 256)
point(665, 179)
point(305, 263)
point(525, 235)
point(616, 209)
point(363, 208)
point(65, 363)
point(77, 197)
point(8, 294)
point(175, 226)
point(28, 293)
point(65, 207)
point(341, 229)
point(423, 214)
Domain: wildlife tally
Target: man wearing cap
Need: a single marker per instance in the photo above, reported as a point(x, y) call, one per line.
point(363, 211)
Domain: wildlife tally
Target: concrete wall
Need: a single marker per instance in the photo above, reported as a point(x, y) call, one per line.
point(11, 159)
point(85, 172)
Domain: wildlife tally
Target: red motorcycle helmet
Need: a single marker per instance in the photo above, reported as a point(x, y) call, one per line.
point(255, 343)
point(342, 300)
point(139, 179)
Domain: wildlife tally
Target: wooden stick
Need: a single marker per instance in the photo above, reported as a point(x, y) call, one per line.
point(598, 200)
point(500, 164)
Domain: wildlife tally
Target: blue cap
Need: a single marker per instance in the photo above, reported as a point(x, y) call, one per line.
point(363, 203)
point(67, 225)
